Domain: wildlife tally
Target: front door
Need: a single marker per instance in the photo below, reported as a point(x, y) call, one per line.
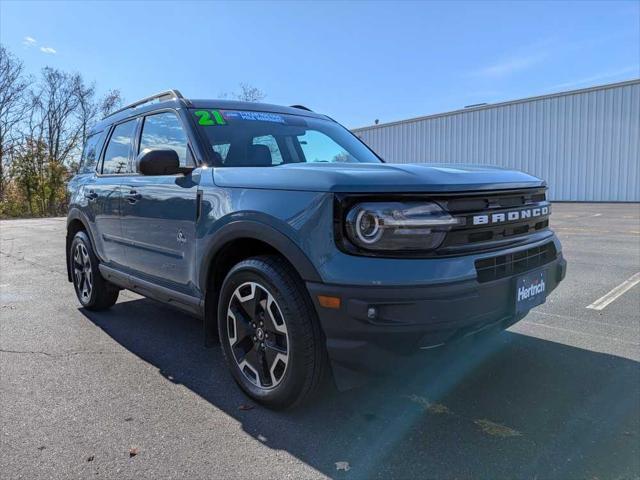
point(159, 212)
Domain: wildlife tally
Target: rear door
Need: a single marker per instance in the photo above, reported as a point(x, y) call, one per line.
point(104, 194)
point(159, 212)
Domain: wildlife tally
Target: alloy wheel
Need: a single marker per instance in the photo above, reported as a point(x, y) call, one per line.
point(82, 272)
point(257, 334)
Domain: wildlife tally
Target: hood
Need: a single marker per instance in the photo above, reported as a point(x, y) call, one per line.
point(374, 177)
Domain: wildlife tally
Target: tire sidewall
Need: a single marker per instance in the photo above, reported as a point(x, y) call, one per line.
point(294, 317)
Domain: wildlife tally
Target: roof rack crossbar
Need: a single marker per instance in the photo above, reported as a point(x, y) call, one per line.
point(166, 95)
point(301, 107)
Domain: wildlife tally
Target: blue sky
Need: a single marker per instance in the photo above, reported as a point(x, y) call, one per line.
point(356, 61)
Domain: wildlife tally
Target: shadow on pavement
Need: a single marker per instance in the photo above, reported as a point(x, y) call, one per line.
point(504, 406)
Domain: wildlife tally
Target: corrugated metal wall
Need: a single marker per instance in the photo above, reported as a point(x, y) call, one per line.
point(585, 143)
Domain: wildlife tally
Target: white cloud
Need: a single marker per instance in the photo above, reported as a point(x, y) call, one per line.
point(509, 66)
point(29, 41)
point(519, 59)
point(602, 76)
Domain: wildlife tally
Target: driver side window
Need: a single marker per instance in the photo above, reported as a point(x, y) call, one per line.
point(163, 131)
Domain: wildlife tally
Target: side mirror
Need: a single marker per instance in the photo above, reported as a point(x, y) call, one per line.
point(158, 162)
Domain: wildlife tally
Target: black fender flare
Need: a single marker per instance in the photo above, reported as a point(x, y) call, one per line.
point(256, 230)
point(73, 215)
point(76, 214)
point(246, 229)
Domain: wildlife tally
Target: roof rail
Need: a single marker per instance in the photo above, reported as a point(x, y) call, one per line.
point(166, 95)
point(301, 107)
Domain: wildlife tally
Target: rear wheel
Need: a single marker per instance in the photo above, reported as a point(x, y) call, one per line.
point(93, 291)
point(269, 332)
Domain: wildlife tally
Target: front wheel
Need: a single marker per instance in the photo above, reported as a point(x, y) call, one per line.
point(269, 332)
point(93, 291)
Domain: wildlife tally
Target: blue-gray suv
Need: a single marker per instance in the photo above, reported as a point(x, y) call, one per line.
point(301, 250)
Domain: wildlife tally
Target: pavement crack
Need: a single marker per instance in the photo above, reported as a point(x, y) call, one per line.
point(27, 352)
point(58, 355)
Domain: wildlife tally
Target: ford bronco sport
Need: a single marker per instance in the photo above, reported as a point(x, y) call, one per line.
point(301, 249)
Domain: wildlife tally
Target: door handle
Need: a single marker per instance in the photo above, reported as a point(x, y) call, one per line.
point(133, 196)
point(91, 196)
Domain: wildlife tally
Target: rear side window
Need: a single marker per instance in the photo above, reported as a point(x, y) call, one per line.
point(116, 156)
point(270, 142)
point(91, 152)
point(221, 150)
point(163, 131)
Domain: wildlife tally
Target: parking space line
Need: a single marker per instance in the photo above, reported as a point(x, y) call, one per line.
point(584, 334)
point(582, 320)
point(616, 292)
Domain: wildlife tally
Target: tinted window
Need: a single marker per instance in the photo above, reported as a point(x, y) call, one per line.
point(270, 142)
point(164, 131)
point(91, 152)
point(116, 156)
point(221, 149)
point(318, 147)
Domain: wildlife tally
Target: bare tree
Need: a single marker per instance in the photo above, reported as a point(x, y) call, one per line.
point(110, 102)
point(87, 107)
point(90, 110)
point(247, 93)
point(57, 104)
point(61, 109)
point(13, 87)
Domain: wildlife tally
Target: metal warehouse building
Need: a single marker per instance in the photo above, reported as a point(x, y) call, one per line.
point(584, 143)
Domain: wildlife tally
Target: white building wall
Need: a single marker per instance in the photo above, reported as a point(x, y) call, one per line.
point(584, 143)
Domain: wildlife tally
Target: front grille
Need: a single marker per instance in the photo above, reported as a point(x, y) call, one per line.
point(494, 268)
point(495, 200)
point(484, 236)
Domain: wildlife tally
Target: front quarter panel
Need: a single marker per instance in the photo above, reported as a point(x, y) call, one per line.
point(292, 220)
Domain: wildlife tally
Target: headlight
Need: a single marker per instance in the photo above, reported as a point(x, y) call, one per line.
point(398, 225)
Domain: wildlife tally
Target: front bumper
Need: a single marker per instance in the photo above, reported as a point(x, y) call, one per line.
point(408, 319)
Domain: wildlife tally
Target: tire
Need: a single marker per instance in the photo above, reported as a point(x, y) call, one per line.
point(280, 362)
point(93, 291)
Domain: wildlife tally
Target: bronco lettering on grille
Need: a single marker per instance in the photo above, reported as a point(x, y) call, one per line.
point(510, 216)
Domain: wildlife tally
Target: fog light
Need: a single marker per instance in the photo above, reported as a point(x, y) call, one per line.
point(372, 313)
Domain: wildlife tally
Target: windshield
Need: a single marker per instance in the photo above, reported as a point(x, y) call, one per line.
point(249, 139)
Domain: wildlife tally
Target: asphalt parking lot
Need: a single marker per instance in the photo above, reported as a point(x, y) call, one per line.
point(555, 396)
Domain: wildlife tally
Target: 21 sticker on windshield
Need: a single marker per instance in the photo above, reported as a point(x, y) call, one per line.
point(205, 117)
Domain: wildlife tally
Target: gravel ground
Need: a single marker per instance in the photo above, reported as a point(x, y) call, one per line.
point(555, 396)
